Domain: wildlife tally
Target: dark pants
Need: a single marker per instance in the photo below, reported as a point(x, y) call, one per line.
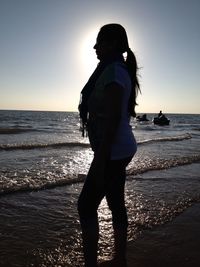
point(88, 203)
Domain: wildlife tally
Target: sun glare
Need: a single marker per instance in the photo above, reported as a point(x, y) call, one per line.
point(88, 56)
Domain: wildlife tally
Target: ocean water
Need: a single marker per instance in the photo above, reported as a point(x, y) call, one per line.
point(43, 163)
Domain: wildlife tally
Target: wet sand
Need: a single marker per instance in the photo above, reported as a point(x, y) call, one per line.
point(34, 225)
point(175, 244)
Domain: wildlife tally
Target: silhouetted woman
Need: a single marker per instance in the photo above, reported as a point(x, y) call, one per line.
point(108, 102)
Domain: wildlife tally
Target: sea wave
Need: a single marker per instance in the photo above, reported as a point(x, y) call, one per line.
point(41, 146)
point(85, 145)
point(34, 182)
point(161, 164)
point(167, 139)
point(15, 130)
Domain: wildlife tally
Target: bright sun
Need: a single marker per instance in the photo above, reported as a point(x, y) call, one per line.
point(88, 56)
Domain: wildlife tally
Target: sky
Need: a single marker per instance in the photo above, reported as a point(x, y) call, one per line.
point(47, 55)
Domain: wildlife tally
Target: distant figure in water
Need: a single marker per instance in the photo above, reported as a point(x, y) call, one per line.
point(107, 103)
point(160, 114)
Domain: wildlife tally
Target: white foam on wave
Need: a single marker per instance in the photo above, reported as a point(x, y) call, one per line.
point(166, 139)
point(28, 181)
point(85, 145)
point(42, 146)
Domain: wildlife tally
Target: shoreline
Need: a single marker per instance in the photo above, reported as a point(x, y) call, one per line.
point(174, 244)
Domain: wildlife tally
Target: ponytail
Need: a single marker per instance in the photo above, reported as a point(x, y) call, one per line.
point(132, 67)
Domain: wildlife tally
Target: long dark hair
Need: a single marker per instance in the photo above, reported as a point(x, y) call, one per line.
point(132, 67)
point(115, 33)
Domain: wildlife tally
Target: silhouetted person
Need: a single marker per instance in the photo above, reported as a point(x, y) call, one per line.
point(108, 101)
point(160, 114)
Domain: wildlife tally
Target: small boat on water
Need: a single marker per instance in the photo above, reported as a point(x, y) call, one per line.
point(161, 120)
point(142, 118)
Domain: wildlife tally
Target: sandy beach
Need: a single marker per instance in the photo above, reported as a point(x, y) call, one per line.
point(175, 244)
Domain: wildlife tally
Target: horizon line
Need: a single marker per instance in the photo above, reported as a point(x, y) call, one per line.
point(37, 110)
